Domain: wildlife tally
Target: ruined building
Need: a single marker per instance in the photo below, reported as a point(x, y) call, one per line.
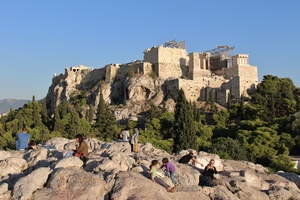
point(158, 77)
point(213, 72)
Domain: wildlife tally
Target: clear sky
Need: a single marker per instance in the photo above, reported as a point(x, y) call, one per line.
point(40, 38)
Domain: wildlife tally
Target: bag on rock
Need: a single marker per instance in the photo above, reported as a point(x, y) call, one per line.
point(79, 155)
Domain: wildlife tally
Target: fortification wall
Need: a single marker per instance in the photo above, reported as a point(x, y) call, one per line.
point(172, 55)
point(171, 88)
point(168, 62)
point(147, 68)
point(111, 72)
point(144, 68)
point(191, 89)
point(151, 55)
point(168, 70)
point(248, 79)
point(230, 72)
point(194, 66)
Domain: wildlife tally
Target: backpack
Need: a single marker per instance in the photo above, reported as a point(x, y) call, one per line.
point(79, 155)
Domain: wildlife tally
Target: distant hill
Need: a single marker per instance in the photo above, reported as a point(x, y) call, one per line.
point(7, 104)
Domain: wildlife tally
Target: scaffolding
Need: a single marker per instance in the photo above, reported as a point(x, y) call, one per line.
point(219, 57)
point(175, 44)
point(220, 50)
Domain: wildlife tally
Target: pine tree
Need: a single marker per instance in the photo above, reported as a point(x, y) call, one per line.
point(185, 134)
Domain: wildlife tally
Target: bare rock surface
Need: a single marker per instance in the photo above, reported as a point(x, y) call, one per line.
point(112, 171)
point(73, 183)
point(12, 165)
point(27, 185)
point(4, 155)
point(69, 162)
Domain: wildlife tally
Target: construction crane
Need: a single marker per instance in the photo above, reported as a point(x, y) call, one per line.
point(219, 50)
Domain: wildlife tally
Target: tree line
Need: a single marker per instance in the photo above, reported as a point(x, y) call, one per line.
point(263, 129)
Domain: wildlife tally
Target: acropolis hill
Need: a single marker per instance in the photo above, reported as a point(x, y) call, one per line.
point(158, 77)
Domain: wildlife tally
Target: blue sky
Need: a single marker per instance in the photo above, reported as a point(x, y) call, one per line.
point(40, 38)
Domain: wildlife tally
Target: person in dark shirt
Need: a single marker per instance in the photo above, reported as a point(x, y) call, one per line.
point(210, 169)
point(186, 159)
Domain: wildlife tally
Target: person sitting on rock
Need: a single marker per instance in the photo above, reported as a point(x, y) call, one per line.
point(125, 135)
point(32, 145)
point(207, 179)
point(22, 139)
point(170, 169)
point(210, 169)
point(81, 150)
point(186, 159)
point(155, 177)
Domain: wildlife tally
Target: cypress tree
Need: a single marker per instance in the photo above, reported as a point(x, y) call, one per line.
point(36, 114)
point(242, 107)
point(185, 134)
point(90, 115)
point(105, 120)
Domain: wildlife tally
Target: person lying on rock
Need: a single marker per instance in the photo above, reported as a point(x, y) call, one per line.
point(81, 150)
point(186, 159)
point(170, 169)
point(207, 179)
point(157, 177)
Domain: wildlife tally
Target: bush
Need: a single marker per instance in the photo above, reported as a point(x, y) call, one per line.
point(282, 162)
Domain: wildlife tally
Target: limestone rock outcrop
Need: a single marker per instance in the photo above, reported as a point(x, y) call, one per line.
point(114, 172)
point(128, 95)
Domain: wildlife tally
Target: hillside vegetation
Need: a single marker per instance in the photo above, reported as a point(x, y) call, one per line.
point(264, 129)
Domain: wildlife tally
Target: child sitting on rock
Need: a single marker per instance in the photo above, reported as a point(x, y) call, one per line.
point(158, 177)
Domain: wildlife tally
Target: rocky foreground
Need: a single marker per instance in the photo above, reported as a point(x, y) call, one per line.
point(113, 172)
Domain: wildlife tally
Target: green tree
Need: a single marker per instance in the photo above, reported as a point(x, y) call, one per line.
point(74, 126)
point(36, 115)
point(275, 97)
point(105, 120)
point(185, 134)
point(228, 148)
point(91, 113)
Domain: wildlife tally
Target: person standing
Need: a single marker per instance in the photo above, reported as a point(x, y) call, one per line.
point(134, 141)
point(22, 140)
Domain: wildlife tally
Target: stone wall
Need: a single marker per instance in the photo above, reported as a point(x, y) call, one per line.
point(248, 79)
point(168, 62)
point(144, 68)
point(111, 71)
point(191, 88)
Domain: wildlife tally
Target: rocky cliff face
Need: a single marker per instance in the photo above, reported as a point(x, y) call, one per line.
point(127, 95)
point(113, 172)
